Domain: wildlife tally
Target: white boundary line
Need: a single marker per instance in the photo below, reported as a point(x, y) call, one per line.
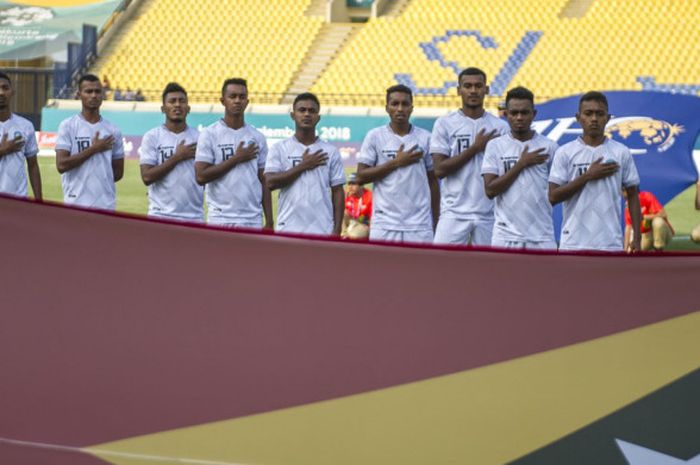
point(110, 453)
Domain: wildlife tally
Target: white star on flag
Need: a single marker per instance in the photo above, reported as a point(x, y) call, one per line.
point(638, 455)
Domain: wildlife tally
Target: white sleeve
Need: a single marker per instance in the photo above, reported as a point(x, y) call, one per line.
point(368, 151)
point(31, 148)
point(118, 147)
point(336, 171)
point(273, 164)
point(148, 152)
point(204, 151)
point(262, 156)
point(551, 150)
point(195, 135)
point(630, 176)
point(490, 163)
point(63, 139)
point(559, 172)
point(427, 158)
point(439, 139)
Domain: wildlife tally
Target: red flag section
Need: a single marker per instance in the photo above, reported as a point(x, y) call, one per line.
point(114, 327)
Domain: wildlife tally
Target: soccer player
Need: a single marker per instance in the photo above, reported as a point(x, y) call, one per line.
point(305, 168)
point(587, 175)
point(17, 147)
point(167, 162)
point(516, 171)
point(457, 146)
point(397, 160)
point(89, 151)
point(229, 160)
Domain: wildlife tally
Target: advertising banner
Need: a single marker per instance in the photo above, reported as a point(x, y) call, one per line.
point(32, 29)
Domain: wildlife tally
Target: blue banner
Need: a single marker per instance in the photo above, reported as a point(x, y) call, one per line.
point(659, 129)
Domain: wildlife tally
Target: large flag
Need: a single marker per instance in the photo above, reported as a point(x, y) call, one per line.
point(127, 341)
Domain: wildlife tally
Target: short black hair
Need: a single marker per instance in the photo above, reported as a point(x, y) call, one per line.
point(471, 71)
point(593, 96)
point(520, 93)
point(88, 78)
point(399, 88)
point(306, 96)
point(5, 77)
point(171, 87)
point(236, 81)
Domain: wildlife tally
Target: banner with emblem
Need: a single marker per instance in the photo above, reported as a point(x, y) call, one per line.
point(659, 128)
point(38, 28)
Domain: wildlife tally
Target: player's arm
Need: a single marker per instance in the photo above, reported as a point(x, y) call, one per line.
point(266, 201)
point(309, 161)
point(445, 165)
point(66, 162)
point(496, 185)
point(636, 216)
point(627, 236)
point(346, 223)
point(367, 174)
point(434, 185)
point(8, 146)
point(207, 172)
point(697, 196)
point(34, 177)
point(596, 170)
point(153, 173)
point(338, 198)
point(118, 168)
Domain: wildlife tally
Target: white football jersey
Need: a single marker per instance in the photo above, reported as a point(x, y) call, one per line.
point(92, 183)
point(177, 195)
point(462, 192)
point(523, 212)
point(305, 206)
point(13, 173)
point(401, 200)
point(235, 197)
point(592, 217)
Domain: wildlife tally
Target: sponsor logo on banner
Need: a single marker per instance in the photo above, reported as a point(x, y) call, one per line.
point(640, 131)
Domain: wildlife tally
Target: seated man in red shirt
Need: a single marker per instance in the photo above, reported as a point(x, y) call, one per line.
point(656, 230)
point(358, 210)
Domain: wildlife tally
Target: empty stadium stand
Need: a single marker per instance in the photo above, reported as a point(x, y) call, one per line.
point(555, 47)
point(199, 44)
point(622, 44)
